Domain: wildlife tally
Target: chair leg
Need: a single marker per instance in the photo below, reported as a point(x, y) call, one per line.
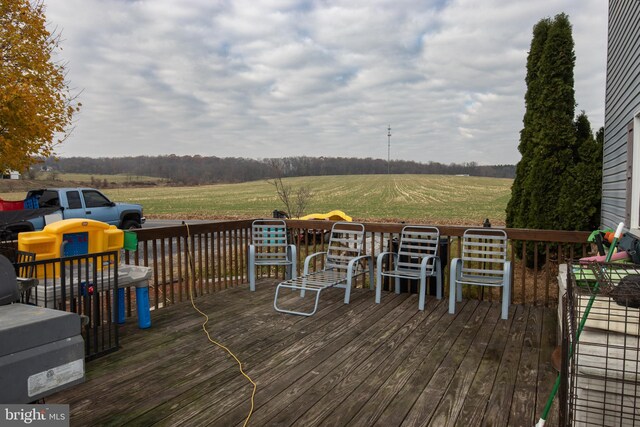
point(275, 299)
point(397, 285)
point(423, 290)
point(347, 291)
point(304, 283)
point(378, 283)
point(300, 313)
point(506, 290)
point(292, 266)
point(452, 295)
point(505, 300)
point(252, 269)
point(438, 280)
point(252, 279)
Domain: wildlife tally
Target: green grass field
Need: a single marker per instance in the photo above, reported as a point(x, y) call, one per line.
point(441, 199)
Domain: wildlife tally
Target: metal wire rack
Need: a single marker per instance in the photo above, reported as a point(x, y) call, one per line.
point(602, 370)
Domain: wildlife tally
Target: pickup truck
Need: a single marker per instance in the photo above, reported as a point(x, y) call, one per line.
point(75, 203)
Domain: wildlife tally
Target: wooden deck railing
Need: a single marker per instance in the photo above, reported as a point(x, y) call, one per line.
point(213, 256)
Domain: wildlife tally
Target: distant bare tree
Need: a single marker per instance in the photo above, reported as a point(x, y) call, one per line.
point(295, 200)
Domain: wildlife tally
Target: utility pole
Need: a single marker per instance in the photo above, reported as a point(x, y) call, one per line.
point(388, 149)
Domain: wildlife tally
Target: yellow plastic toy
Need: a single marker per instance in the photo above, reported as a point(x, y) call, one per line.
point(70, 237)
point(330, 216)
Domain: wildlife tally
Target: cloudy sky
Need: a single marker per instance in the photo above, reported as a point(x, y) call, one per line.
point(273, 78)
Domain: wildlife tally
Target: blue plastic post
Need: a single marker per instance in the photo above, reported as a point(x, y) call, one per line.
point(142, 304)
point(120, 306)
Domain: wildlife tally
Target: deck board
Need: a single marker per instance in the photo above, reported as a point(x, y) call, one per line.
point(409, 353)
point(446, 413)
point(430, 398)
point(524, 395)
point(405, 398)
point(302, 357)
point(482, 386)
point(497, 413)
point(359, 364)
point(347, 377)
point(546, 374)
point(436, 325)
point(299, 379)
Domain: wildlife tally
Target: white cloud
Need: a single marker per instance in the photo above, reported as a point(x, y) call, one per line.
point(285, 77)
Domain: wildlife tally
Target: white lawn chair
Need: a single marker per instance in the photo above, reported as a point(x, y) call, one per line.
point(483, 263)
point(342, 262)
point(417, 258)
point(269, 246)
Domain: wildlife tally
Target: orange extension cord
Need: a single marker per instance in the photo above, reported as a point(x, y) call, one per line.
point(204, 328)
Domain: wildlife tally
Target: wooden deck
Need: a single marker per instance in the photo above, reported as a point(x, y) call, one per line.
point(359, 364)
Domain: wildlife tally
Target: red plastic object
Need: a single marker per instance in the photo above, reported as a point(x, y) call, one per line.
point(9, 205)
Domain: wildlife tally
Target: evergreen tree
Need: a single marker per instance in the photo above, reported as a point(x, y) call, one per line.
point(581, 195)
point(517, 206)
point(554, 137)
point(558, 179)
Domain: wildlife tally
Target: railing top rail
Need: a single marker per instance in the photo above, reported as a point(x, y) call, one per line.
point(181, 230)
point(458, 231)
point(445, 230)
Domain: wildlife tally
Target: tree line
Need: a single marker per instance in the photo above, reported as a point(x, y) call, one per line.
point(194, 170)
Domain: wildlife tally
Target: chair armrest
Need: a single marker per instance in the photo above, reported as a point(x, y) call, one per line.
point(294, 251)
point(425, 261)
point(26, 283)
point(356, 260)
point(456, 268)
point(308, 259)
point(383, 254)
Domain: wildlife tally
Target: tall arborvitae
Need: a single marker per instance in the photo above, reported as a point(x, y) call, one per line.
point(548, 137)
point(516, 208)
point(558, 179)
point(581, 194)
point(554, 139)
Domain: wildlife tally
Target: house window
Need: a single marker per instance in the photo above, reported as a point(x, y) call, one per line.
point(633, 190)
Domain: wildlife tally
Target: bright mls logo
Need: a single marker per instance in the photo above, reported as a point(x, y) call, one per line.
point(34, 415)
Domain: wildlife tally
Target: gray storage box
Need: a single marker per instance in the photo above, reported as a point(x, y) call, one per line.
point(41, 352)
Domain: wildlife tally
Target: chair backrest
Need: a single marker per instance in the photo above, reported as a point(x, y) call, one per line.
point(346, 242)
point(416, 242)
point(17, 257)
point(269, 237)
point(26, 271)
point(484, 253)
